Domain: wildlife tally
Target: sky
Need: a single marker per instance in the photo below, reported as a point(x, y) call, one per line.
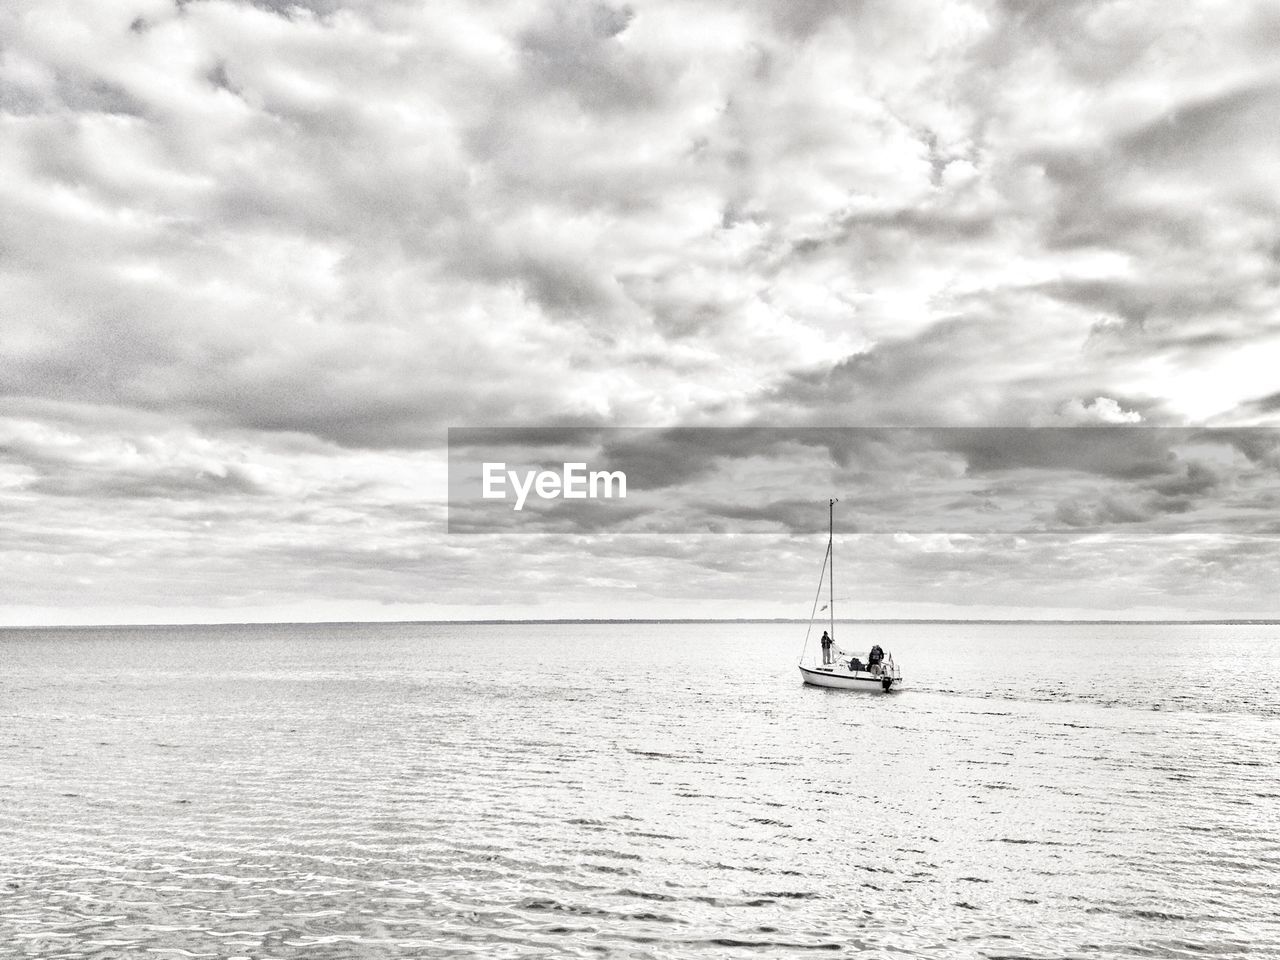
point(257, 258)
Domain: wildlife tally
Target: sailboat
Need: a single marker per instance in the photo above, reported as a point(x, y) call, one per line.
point(836, 667)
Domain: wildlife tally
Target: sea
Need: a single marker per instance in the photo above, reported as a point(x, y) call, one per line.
point(638, 790)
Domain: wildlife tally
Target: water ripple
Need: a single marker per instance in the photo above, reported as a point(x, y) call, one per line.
point(663, 791)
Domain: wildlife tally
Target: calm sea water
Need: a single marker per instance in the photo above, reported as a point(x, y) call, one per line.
point(638, 790)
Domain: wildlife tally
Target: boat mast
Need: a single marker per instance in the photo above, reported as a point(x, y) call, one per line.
point(831, 564)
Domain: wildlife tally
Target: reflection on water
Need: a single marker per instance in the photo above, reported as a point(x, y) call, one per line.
point(637, 791)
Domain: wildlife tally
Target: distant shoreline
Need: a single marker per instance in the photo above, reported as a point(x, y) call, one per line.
point(657, 620)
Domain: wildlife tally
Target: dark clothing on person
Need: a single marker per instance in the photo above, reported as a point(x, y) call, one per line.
point(826, 647)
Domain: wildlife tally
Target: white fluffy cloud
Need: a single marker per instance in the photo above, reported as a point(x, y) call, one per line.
point(248, 246)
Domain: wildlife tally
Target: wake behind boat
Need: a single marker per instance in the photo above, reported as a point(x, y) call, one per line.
point(837, 667)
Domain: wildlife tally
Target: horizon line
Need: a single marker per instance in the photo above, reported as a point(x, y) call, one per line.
point(1233, 621)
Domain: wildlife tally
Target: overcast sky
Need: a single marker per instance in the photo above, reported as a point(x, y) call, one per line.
point(257, 257)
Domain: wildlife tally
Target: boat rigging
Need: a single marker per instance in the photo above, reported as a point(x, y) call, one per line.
point(838, 668)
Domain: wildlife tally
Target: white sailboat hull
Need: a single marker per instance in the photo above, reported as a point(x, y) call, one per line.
point(844, 679)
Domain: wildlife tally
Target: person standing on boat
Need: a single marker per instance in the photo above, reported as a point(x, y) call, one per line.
point(826, 648)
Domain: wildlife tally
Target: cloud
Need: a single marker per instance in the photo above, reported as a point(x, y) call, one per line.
point(366, 191)
point(575, 48)
point(1196, 478)
point(1104, 512)
point(72, 464)
point(1098, 410)
point(258, 256)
